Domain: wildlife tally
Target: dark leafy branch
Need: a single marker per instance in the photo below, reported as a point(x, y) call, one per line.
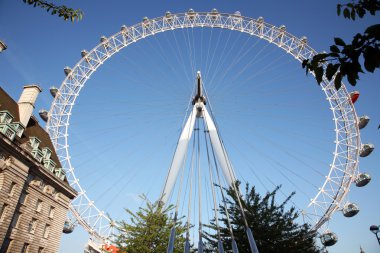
point(360, 8)
point(345, 60)
point(62, 11)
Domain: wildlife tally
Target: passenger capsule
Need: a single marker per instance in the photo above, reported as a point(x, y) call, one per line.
point(103, 39)
point(191, 14)
point(304, 40)
point(362, 180)
point(124, 29)
point(53, 91)
point(363, 121)
point(236, 17)
point(354, 96)
point(44, 115)
point(168, 16)
point(329, 238)
point(282, 28)
point(260, 20)
point(83, 53)
point(214, 13)
point(350, 210)
point(67, 70)
point(68, 227)
point(146, 22)
point(366, 149)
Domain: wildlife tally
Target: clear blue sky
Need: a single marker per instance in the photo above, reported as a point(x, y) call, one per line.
point(280, 115)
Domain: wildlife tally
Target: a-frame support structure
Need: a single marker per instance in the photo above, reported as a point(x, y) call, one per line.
point(199, 111)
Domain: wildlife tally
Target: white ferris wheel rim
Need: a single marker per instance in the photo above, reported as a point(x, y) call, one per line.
point(343, 168)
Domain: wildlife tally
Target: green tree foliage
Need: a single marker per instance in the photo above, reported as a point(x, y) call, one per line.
point(62, 11)
point(345, 59)
point(273, 225)
point(148, 230)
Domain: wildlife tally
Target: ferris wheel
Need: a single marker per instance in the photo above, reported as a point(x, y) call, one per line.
point(330, 196)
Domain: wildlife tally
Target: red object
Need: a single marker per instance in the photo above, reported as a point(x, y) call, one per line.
point(354, 96)
point(111, 248)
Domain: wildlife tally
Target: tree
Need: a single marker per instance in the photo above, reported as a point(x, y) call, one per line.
point(149, 230)
point(344, 59)
point(274, 228)
point(62, 11)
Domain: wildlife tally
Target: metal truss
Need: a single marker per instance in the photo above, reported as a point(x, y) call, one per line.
point(343, 169)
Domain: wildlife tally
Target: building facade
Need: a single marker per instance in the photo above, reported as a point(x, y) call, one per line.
point(34, 191)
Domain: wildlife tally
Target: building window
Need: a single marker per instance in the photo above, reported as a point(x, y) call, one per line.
point(32, 226)
point(46, 231)
point(23, 198)
point(39, 205)
point(34, 142)
point(3, 212)
point(40, 250)
point(51, 212)
point(15, 220)
point(25, 248)
point(12, 188)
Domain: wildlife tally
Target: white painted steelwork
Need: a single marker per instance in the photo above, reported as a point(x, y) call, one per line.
point(343, 169)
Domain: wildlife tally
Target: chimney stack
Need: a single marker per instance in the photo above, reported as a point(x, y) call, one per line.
point(26, 103)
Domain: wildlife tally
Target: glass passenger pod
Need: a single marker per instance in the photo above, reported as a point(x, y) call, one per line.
point(362, 180)
point(329, 238)
point(354, 96)
point(366, 150)
point(124, 29)
point(68, 227)
point(146, 22)
point(304, 40)
point(363, 121)
point(53, 90)
point(104, 41)
point(214, 14)
point(350, 210)
point(282, 28)
point(236, 18)
point(44, 115)
point(67, 70)
point(83, 53)
point(191, 14)
point(260, 24)
point(168, 17)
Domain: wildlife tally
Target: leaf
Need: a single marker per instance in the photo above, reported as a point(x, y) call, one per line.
point(361, 12)
point(339, 42)
point(304, 63)
point(331, 70)
point(338, 81)
point(319, 74)
point(353, 14)
point(338, 9)
point(334, 49)
point(371, 60)
point(346, 13)
point(351, 77)
point(373, 31)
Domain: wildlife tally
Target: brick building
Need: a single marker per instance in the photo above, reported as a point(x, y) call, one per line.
point(34, 191)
